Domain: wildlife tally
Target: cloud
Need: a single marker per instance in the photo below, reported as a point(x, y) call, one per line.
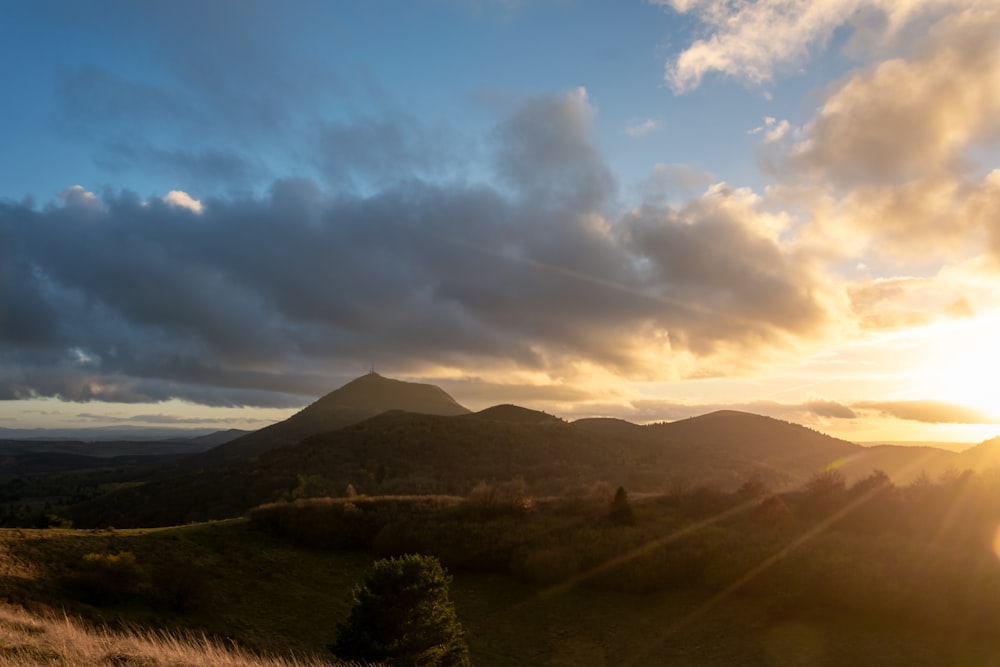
point(673, 181)
point(772, 130)
point(719, 260)
point(180, 199)
point(260, 300)
point(931, 412)
point(164, 419)
point(201, 169)
point(832, 409)
point(749, 40)
point(911, 119)
point(544, 153)
point(641, 129)
point(76, 196)
point(893, 154)
point(904, 302)
point(378, 151)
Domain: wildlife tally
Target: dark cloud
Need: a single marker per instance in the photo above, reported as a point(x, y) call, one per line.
point(477, 392)
point(164, 419)
point(931, 412)
point(255, 300)
point(831, 409)
point(725, 280)
point(542, 157)
point(380, 151)
point(191, 170)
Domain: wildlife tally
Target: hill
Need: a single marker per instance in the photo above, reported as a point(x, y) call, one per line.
point(984, 455)
point(832, 599)
point(516, 415)
point(363, 397)
point(783, 453)
point(400, 452)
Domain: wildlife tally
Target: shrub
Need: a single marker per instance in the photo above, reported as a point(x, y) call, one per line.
point(621, 509)
point(771, 512)
point(106, 578)
point(402, 616)
point(504, 498)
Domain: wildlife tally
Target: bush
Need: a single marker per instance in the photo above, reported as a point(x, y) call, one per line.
point(106, 578)
point(621, 509)
point(402, 616)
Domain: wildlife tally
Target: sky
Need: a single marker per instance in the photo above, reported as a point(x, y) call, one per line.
point(212, 213)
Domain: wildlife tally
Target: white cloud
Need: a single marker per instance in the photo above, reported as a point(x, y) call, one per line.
point(772, 129)
point(641, 129)
point(181, 199)
point(749, 39)
point(76, 196)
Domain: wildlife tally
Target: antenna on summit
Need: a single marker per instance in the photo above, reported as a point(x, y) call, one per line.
point(373, 368)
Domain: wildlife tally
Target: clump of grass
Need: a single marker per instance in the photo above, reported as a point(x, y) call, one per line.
point(28, 640)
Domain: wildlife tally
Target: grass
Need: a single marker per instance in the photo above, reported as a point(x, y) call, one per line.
point(264, 596)
point(27, 640)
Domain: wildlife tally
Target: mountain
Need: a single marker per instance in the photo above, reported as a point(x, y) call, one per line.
point(763, 440)
point(219, 437)
point(104, 434)
point(516, 415)
point(398, 452)
point(383, 436)
point(903, 463)
point(175, 447)
point(359, 399)
point(984, 455)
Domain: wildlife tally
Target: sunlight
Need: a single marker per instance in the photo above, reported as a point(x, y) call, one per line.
point(962, 363)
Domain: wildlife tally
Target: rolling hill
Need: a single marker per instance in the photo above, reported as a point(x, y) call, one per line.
point(363, 397)
point(381, 436)
point(400, 452)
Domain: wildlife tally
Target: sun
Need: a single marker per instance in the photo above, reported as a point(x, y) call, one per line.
point(959, 362)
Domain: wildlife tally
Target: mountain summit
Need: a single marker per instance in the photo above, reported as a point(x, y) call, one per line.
point(359, 399)
point(376, 394)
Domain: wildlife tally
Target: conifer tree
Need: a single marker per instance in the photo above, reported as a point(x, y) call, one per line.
point(621, 509)
point(403, 617)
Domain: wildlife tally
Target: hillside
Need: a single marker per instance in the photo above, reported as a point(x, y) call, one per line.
point(420, 441)
point(834, 598)
point(905, 463)
point(400, 452)
point(363, 397)
point(984, 455)
point(784, 453)
point(515, 414)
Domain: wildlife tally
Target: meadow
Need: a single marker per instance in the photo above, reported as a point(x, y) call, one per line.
point(832, 574)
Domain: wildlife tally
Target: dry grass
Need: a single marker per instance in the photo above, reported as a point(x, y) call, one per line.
point(27, 641)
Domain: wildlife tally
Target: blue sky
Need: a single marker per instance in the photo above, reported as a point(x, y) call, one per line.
point(211, 213)
point(248, 81)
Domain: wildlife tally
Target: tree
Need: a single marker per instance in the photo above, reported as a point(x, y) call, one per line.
point(621, 509)
point(402, 616)
point(825, 493)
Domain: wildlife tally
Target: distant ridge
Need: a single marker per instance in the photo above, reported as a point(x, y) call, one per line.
point(515, 414)
point(384, 437)
point(359, 399)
